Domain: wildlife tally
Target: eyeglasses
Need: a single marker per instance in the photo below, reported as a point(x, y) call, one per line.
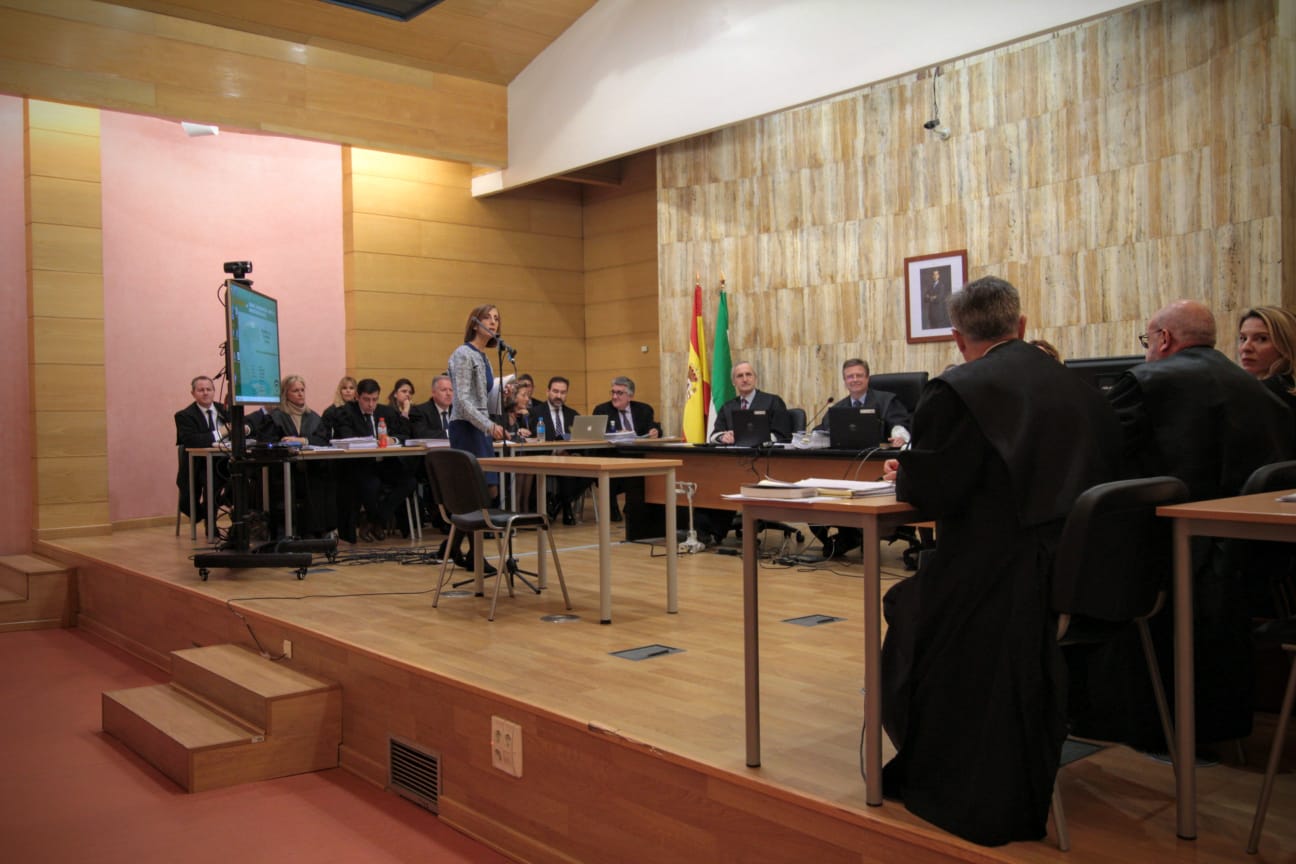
point(620, 392)
point(1143, 337)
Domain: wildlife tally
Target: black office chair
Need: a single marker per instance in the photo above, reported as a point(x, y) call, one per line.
point(1274, 563)
point(465, 503)
point(907, 386)
point(797, 416)
point(1113, 569)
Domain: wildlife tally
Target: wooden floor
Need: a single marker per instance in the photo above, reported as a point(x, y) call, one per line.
point(686, 706)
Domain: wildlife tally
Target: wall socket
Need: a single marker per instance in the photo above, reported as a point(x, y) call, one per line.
point(506, 746)
point(287, 652)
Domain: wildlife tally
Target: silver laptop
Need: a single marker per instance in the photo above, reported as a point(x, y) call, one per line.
point(589, 427)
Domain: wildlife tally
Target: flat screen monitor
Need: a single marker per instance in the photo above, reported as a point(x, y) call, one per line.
point(1102, 372)
point(252, 334)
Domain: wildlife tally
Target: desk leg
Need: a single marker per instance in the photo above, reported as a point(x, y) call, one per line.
point(1185, 712)
point(542, 538)
point(751, 641)
point(605, 548)
point(872, 662)
point(193, 500)
point(672, 546)
point(288, 499)
point(211, 498)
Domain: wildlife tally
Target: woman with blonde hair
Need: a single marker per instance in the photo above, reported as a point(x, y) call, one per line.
point(344, 393)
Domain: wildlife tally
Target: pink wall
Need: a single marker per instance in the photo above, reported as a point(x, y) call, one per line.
point(175, 209)
point(15, 432)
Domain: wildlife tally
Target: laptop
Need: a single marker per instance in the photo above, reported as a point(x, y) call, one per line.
point(751, 428)
point(589, 427)
point(854, 429)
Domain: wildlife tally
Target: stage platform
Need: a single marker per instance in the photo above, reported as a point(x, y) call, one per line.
point(624, 760)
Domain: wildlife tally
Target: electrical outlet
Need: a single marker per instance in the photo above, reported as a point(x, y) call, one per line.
point(506, 746)
point(287, 652)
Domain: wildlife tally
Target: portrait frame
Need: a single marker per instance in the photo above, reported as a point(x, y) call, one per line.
point(929, 279)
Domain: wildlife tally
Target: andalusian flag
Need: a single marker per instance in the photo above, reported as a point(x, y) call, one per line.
point(699, 382)
point(722, 389)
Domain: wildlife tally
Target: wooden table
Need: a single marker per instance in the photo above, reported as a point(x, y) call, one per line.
point(1246, 517)
point(602, 469)
point(876, 517)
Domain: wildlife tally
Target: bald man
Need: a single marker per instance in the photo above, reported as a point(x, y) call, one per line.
point(1192, 413)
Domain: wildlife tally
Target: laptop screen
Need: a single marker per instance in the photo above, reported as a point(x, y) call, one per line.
point(589, 427)
point(854, 429)
point(751, 428)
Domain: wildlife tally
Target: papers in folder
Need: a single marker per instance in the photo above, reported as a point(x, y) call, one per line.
point(355, 443)
point(815, 487)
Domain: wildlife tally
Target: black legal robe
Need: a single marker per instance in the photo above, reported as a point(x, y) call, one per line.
point(973, 680)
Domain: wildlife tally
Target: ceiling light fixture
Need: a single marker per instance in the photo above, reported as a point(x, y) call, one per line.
point(397, 10)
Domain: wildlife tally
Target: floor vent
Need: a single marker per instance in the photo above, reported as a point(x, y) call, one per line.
point(415, 774)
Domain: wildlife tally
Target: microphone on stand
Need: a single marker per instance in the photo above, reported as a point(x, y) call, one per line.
point(815, 419)
point(503, 346)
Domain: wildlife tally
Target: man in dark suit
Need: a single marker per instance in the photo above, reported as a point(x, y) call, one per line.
point(381, 485)
point(626, 415)
point(202, 424)
point(749, 398)
point(431, 418)
point(895, 419)
point(1189, 412)
point(557, 418)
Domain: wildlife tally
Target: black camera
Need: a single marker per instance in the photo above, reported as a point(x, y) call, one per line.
point(929, 125)
point(238, 269)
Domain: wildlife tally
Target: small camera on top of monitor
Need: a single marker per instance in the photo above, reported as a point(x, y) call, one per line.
point(238, 269)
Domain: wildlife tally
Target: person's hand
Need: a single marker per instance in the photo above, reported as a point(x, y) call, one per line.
point(653, 433)
point(726, 437)
point(497, 432)
point(897, 441)
point(889, 470)
point(404, 406)
point(525, 432)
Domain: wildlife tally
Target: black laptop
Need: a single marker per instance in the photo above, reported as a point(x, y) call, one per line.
point(854, 429)
point(751, 428)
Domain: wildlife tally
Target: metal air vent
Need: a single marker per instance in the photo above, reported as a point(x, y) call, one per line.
point(415, 774)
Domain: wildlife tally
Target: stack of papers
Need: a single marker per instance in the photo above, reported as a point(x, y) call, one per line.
point(428, 442)
point(777, 489)
point(849, 488)
point(621, 437)
point(355, 443)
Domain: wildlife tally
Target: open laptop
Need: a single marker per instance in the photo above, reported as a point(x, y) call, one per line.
point(589, 427)
point(751, 428)
point(854, 429)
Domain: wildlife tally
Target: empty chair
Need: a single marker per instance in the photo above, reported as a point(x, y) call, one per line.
point(465, 502)
point(907, 386)
point(1112, 570)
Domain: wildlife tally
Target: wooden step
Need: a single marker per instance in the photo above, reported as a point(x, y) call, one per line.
point(35, 593)
point(229, 716)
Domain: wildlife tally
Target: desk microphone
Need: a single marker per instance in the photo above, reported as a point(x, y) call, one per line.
point(815, 419)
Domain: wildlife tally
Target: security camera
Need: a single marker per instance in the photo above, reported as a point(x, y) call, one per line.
point(238, 269)
point(931, 124)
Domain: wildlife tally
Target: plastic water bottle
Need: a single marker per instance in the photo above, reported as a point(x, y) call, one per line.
point(383, 440)
point(540, 430)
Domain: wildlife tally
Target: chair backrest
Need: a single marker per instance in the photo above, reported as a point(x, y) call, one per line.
point(1115, 554)
point(797, 416)
point(907, 386)
point(1270, 478)
point(458, 480)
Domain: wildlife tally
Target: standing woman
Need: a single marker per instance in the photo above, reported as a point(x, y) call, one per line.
point(1267, 349)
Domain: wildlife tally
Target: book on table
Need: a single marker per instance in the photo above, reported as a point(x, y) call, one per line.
point(848, 488)
point(777, 489)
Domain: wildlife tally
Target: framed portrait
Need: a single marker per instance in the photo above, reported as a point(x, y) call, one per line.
point(929, 281)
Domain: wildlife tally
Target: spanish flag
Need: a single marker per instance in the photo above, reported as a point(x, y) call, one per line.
point(699, 381)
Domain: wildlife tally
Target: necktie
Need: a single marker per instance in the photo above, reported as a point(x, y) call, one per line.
point(557, 422)
point(372, 428)
point(626, 423)
point(855, 403)
point(745, 403)
point(211, 420)
point(445, 420)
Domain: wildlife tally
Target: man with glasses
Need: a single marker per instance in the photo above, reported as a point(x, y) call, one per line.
point(1190, 412)
point(626, 415)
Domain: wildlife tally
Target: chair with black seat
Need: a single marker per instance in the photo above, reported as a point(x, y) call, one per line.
point(797, 419)
point(465, 502)
point(1273, 563)
point(1112, 571)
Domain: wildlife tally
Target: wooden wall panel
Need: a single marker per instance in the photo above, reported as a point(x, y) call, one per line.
point(1106, 169)
point(421, 253)
point(88, 53)
point(65, 327)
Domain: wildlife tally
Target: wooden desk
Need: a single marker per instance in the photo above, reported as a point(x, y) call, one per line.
point(602, 469)
point(720, 471)
point(1247, 517)
point(876, 517)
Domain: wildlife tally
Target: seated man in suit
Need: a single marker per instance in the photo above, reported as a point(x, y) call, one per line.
point(430, 419)
point(749, 398)
point(381, 485)
point(557, 418)
point(895, 418)
point(203, 423)
point(626, 415)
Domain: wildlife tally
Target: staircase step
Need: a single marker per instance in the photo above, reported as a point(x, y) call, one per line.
point(35, 593)
point(242, 681)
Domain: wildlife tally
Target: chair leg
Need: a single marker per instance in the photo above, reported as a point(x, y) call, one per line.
point(450, 541)
point(1059, 819)
point(1163, 707)
point(501, 576)
point(553, 555)
point(1275, 755)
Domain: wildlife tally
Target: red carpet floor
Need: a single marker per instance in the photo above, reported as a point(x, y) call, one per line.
point(70, 793)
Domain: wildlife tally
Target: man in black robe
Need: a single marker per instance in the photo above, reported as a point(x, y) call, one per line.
point(1189, 412)
point(973, 680)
